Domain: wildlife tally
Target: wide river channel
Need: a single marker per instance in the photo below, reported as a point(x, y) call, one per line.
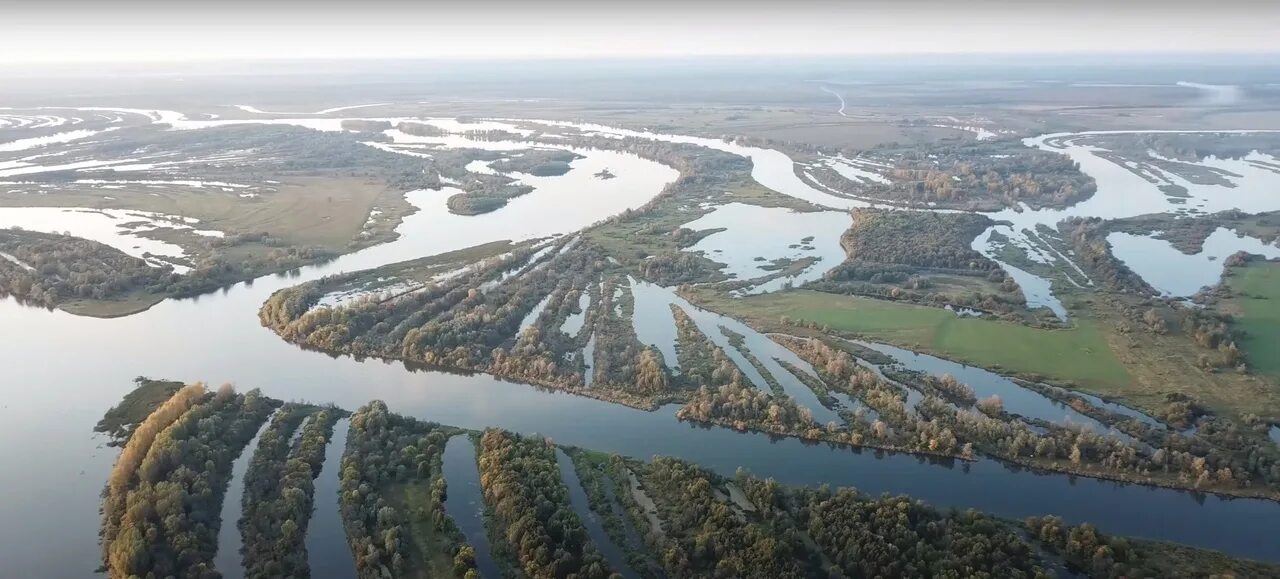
point(62, 372)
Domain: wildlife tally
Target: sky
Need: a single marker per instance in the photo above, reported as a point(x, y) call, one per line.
point(63, 31)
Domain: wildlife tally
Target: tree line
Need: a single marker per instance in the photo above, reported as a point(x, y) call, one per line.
point(1087, 550)
point(971, 174)
point(898, 536)
point(530, 507)
point(898, 255)
point(279, 491)
point(473, 322)
point(162, 501)
point(49, 269)
point(385, 453)
point(949, 419)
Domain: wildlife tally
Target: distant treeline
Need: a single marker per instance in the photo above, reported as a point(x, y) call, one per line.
point(48, 269)
point(970, 174)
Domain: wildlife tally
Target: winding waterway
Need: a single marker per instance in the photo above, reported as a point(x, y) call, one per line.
point(63, 371)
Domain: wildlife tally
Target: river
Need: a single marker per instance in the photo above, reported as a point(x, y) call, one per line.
point(328, 553)
point(64, 371)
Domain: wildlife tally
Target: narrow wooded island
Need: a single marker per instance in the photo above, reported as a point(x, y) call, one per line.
point(658, 518)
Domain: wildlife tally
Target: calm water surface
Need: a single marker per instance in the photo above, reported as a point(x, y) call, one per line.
point(63, 372)
point(328, 552)
point(465, 501)
point(228, 559)
point(578, 498)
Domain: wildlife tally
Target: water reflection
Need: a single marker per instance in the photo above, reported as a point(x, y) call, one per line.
point(328, 552)
point(228, 559)
point(63, 371)
point(1016, 399)
point(754, 238)
point(578, 499)
point(465, 502)
point(1179, 274)
point(767, 352)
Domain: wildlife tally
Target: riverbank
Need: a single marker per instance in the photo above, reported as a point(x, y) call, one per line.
point(676, 490)
point(219, 337)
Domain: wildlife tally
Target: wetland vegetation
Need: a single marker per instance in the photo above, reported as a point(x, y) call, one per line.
point(925, 258)
point(505, 316)
point(279, 492)
point(972, 175)
point(580, 313)
point(302, 197)
point(1255, 293)
point(392, 498)
point(160, 505)
point(472, 322)
point(51, 270)
point(91, 278)
point(672, 518)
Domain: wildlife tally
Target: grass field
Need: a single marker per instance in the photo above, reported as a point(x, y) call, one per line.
point(333, 213)
point(136, 406)
point(428, 548)
point(1256, 304)
point(327, 211)
point(1079, 354)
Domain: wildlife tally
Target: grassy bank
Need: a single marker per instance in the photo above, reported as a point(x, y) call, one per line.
point(429, 546)
point(1256, 304)
point(1079, 354)
point(119, 421)
point(135, 302)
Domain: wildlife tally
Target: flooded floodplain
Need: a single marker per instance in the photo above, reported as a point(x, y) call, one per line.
point(218, 338)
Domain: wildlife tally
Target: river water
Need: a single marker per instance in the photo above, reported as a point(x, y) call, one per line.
point(465, 501)
point(328, 553)
point(228, 559)
point(64, 371)
point(590, 520)
point(1178, 274)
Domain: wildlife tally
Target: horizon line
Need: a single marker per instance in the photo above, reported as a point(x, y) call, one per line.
point(1154, 54)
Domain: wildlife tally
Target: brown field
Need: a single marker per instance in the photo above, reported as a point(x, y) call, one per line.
point(324, 211)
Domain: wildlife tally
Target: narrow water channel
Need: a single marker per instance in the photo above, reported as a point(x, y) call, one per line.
point(328, 552)
point(218, 338)
point(297, 431)
point(533, 314)
point(578, 497)
point(1016, 399)
point(653, 318)
point(634, 540)
point(228, 560)
point(465, 502)
point(573, 324)
point(589, 361)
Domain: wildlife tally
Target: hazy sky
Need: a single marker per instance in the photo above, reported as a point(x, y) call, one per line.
point(61, 31)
